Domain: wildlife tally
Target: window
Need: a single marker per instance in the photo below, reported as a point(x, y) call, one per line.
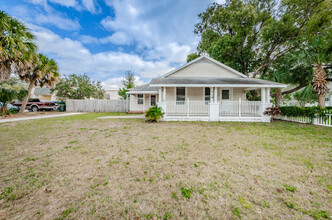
point(207, 94)
point(140, 98)
point(225, 94)
point(153, 100)
point(180, 94)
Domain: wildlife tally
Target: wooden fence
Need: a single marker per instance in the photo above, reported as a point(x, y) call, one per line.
point(97, 105)
point(321, 121)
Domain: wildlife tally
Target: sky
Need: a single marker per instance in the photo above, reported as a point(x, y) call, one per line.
point(106, 38)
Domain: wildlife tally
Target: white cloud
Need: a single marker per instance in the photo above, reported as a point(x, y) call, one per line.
point(89, 5)
point(73, 57)
point(118, 38)
point(67, 3)
point(158, 33)
point(58, 21)
point(87, 39)
point(116, 82)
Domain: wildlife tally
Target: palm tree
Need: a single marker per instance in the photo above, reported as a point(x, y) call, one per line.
point(44, 72)
point(320, 84)
point(17, 49)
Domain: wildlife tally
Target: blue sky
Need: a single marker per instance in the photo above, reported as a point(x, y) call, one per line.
point(104, 38)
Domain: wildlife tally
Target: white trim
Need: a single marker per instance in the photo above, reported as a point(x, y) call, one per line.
point(140, 98)
point(142, 92)
point(221, 85)
point(204, 94)
point(230, 94)
point(185, 95)
point(210, 59)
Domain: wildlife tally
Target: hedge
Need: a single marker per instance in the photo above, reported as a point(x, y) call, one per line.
point(311, 112)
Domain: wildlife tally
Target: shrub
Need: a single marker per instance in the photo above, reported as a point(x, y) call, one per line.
point(273, 111)
point(311, 112)
point(154, 114)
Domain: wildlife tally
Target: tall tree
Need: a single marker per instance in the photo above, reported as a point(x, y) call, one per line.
point(78, 87)
point(128, 82)
point(17, 50)
point(11, 89)
point(251, 35)
point(44, 72)
point(309, 65)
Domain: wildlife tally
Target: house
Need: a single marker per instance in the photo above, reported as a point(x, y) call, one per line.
point(43, 94)
point(204, 90)
point(328, 98)
point(112, 94)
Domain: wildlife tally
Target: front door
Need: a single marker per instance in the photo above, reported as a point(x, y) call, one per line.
point(153, 100)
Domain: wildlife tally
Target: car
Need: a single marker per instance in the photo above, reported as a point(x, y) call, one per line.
point(36, 105)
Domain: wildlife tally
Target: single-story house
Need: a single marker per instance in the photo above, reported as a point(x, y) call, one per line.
point(43, 94)
point(204, 90)
point(112, 94)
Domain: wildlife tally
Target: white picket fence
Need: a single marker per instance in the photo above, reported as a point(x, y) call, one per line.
point(321, 121)
point(97, 105)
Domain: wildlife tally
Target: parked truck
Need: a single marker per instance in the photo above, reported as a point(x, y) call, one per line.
point(36, 105)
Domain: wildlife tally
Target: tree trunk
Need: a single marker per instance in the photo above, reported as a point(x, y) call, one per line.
point(278, 97)
point(321, 100)
point(26, 99)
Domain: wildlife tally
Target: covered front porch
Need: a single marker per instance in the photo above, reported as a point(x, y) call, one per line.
point(212, 104)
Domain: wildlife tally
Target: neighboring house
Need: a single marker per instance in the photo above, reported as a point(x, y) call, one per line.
point(328, 98)
point(43, 94)
point(112, 94)
point(205, 90)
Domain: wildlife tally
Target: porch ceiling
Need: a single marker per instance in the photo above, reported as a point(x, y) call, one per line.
point(214, 82)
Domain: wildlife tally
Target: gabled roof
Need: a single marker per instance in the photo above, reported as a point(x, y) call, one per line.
point(42, 91)
point(214, 82)
point(210, 59)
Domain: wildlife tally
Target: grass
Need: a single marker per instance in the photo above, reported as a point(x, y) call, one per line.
point(84, 167)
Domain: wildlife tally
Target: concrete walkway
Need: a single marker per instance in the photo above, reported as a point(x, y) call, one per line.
point(37, 117)
point(131, 116)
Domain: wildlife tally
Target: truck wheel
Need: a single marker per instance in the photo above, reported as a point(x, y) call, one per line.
point(34, 108)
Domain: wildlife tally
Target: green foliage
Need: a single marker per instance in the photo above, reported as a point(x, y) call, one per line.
point(128, 82)
point(186, 193)
point(10, 90)
point(250, 36)
point(192, 56)
point(17, 46)
point(236, 212)
point(290, 188)
point(305, 96)
point(78, 87)
point(154, 114)
point(311, 112)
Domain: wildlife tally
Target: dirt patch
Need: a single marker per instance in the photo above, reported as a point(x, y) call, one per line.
point(83, 167)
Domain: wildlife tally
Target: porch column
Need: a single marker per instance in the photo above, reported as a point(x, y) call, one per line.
point(211, 94)
point(164, 94)
point(159, 95)
point(215, 94)
point(263, 95)
point(143, 102)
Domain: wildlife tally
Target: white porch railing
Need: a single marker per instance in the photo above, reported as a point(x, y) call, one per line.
point(187, 108)
point(251, 109)
point(240, 108)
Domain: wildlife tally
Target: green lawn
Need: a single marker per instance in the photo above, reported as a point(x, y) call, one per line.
point(83, 167)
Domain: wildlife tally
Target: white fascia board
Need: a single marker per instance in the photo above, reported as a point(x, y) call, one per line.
point(221, 85)
point(142, 92)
